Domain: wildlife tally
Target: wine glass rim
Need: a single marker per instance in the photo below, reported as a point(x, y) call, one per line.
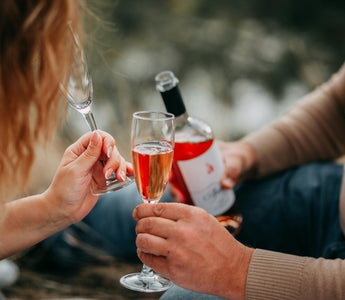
point(145, 115)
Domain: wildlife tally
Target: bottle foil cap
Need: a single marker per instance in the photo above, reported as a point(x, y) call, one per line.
point(166, 84)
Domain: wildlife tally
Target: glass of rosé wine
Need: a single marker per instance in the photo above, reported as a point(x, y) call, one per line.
point(152, 147)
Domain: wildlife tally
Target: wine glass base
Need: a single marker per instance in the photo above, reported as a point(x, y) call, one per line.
point(111, 186)
point(148, 284)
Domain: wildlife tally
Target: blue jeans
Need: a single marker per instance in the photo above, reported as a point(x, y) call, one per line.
point(295, 212)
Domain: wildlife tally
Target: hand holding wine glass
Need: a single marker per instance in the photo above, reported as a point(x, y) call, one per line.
point(152, 144)
point(80, 95)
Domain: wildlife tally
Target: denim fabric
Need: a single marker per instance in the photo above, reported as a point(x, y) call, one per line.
point(109, 229)
point(178, 293)
point(112, 218)
point(296, 211)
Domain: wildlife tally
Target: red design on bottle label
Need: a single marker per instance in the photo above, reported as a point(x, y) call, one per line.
point(210, 168)
point(202, 184)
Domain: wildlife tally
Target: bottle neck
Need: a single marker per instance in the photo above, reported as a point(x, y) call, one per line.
point(182, 121)
point(173, 101)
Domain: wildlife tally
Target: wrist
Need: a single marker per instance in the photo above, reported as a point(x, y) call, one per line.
point(239, 267)
point(28, 221)
point(250, 160)
point(58, 219)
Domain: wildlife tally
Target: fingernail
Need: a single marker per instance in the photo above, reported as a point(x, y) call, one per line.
point(109, 172)
point(94, 138)
point(227, 182)
point(110, 149)
point(123, 176)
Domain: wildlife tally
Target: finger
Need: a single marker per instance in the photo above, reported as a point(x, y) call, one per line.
point(108, 143)
point(172, 211)
point(129, 168)
point(233, 170)
point(77, 148)
point(157, 263)
point(156, 226)
point(89, 157)
point(113, 157)
point(227, 182)
point(121, 171)
point(115, 163)
point(152, 244)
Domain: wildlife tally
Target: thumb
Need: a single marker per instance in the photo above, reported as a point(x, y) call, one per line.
point(233, 169)
point(90, 156)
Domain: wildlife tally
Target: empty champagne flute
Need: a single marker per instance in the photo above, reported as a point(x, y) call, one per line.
point(79, 94)
point(152, 147)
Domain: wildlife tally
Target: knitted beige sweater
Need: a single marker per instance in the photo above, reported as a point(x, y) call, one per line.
point(314, 129)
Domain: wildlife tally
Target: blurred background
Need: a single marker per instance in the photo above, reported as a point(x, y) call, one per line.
point(240, 63)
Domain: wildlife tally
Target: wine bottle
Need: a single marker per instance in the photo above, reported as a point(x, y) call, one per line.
point(197, 164)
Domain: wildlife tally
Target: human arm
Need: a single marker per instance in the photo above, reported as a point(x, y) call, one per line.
point(274, 275)
point(311, 130)
point(67, 200)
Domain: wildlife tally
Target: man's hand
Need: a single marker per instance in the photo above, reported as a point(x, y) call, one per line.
point(189, 246)
point(239, 160)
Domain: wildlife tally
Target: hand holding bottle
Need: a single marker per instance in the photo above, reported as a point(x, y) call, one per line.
point(239, 161)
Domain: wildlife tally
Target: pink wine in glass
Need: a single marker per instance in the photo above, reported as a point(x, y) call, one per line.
point(152, 164)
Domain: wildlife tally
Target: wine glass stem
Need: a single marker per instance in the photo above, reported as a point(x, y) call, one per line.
point(146, 271)
point(90, 120)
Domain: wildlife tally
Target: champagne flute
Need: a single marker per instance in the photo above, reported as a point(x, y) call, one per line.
point(79, 94)
point(152, 147)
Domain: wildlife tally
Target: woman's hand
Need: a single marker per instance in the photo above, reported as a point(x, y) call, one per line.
point(189, 246)
point(239, 160)
point(81, 167)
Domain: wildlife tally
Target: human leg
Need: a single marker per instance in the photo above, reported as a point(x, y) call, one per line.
point(178, 293)
point(112, 219)
point(295, 211)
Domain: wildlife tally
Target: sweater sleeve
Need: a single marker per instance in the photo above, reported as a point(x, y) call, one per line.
point(312, 130)
point(274, 275)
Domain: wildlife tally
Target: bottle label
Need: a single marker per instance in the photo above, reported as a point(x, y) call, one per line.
point(202, 177)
